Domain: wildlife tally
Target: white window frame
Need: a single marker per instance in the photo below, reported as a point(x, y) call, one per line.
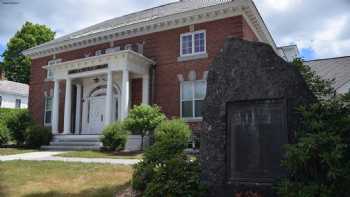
point(193, 43)
point(193, 118)
point(20, 103)
point(45, 110)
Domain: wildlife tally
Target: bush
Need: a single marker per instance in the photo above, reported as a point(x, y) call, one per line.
point(319, 163)
point(165, 158)
point(4, 134)
point(143, 119)
point(114, 136)
point(36, 136)
point(179, 176)
point(16, 120)
point(173, 130)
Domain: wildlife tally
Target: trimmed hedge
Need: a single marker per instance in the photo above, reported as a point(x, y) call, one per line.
point(36, 136)
point(114, 136)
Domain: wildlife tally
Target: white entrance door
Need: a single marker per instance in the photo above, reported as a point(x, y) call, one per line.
point(97, 113)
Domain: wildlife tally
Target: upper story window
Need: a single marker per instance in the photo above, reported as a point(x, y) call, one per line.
point(193, 43)
point(18, 103)
point(192, 96)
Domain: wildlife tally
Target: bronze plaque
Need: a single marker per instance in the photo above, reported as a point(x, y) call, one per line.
point(256, 133)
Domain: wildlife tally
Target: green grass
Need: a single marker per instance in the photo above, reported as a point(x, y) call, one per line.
point(101, 154)
point(59, 179)
point(14, 151)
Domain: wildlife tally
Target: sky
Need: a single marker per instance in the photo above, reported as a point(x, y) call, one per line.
point(320, 28)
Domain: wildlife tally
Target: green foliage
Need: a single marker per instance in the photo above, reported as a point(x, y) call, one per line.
point(16, 66)
point(319, 163)
point(173, 130)
point(114, 136)
point(179, 176)
point(4, 134)
point(16, 120)
point(320, 87)
point(36, 136)
point(165, 170)
point(143, 119)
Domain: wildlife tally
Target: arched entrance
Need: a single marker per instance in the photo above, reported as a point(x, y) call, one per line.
point(97, 108)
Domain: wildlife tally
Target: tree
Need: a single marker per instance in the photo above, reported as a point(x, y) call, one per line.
point(143, 119)
point(16, 66)
point(318, 164)
point(322, 88)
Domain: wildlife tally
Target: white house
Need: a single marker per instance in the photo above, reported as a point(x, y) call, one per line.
point(13, 94)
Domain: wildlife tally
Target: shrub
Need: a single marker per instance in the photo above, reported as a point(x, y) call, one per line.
point(143, 119)
point(114, 136)
point(17, 121)
point(179, 176)
point(36, 136)
point(166, 158)
point(4, 134)
point(173, 130)
point(319, 163)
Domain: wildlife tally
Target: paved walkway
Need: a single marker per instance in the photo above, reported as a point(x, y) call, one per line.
point(50, 156)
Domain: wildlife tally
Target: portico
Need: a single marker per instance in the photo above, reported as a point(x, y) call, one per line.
point(97, 90)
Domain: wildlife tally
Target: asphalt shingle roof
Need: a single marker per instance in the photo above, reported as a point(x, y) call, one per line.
point(14, 88)
point(333, 68)
point(142, 16)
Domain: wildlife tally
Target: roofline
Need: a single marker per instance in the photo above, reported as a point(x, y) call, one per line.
point(245, 8)
point(265, 26)
point(330, 58)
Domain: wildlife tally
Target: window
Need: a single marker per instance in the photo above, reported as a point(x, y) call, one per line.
point(49, 74)
point(0, 101)
point(192, 96)
point(18, 103)
point(48, 110)
point(193, 43)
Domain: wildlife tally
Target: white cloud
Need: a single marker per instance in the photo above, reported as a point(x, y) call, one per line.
point(323, 26)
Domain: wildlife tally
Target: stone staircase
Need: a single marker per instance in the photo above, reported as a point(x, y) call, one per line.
point(74, 142)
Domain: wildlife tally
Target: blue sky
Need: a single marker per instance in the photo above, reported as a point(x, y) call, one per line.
point(321, 29)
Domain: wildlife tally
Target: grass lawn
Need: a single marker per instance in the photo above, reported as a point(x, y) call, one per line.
point(101, 154)
point(13, 151)
point(59, 179)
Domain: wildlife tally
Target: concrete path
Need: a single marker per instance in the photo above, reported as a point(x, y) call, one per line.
point(50, 156)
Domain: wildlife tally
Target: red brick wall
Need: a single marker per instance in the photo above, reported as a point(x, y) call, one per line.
point(163, 48)
point(248, 33)
point(136, 92)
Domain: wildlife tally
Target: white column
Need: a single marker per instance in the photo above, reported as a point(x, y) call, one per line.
point(68, 107)
point(145, 89)
point(125, 94)
point(55, 107)
point(78, 110)
point(109, 98)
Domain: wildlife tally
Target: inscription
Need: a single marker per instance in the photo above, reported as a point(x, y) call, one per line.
point(257, 132)
point(92, 68)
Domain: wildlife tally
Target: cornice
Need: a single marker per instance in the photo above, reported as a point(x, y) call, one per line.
point(235, 8)
point(101, 59)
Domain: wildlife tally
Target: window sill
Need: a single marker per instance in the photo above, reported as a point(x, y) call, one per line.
point(192, 57)
point(189, 120)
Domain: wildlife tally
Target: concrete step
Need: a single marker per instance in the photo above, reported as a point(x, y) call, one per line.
point(76, 138)
point(70, 147)
point(77, 143)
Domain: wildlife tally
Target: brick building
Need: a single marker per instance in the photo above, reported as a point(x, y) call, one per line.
point(90, 78)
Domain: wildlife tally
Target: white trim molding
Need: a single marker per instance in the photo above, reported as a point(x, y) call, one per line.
point(244, 8)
